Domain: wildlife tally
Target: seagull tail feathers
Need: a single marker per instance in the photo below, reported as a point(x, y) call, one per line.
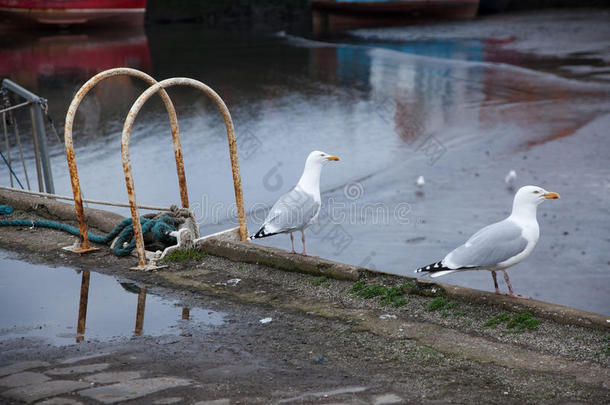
point(262, 233)
point(435, 269)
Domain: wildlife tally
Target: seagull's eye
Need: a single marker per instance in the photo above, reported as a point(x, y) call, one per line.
point(536, 192)
point(321, 154)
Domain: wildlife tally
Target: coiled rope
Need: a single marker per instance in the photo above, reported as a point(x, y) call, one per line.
point(125, 243)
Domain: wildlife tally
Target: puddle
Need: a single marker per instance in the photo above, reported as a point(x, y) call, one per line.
point(64, 306)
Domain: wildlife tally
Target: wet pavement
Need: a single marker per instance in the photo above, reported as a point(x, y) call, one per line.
point(65, 306)
point(460, 104)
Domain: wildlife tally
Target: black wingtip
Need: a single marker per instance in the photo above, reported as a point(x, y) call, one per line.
point(261, 234)
point(432, 268)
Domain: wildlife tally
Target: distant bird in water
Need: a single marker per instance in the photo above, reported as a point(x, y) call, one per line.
point(510, 179)
point(500, 245)
point(299, 208)
point(420, 181)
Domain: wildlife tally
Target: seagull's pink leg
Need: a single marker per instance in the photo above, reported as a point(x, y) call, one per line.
point(303, 240)
point(493, 275)
point(292, 243)
point(510, 288)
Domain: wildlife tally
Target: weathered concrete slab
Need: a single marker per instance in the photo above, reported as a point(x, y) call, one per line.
point(223, 401)
point(47, 389)
point(224, 245)
point(252, 253)
point(311, 396)
point(86, 368)
point(388, 399)
point(113, 377)
point(60, 401)
point(77, 359)
point(167, 401)
point(24, 378)
point(21, 366)
point(558, 313)
point(128, 390)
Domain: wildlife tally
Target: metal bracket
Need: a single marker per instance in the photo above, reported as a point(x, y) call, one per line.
point(77, 248)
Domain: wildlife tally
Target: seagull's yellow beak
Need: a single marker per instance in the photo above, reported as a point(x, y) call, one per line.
point(333, 158)
point(551, 195)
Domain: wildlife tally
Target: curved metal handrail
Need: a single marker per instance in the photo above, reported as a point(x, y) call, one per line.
point(133, 112)
point(76, 190)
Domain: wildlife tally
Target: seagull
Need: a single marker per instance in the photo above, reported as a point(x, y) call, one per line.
point(298, 208)
point(420, 181)
point(510, 178)
point(501, 245)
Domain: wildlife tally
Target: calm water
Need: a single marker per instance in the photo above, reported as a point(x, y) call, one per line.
point(460, 111)
point(64, 306)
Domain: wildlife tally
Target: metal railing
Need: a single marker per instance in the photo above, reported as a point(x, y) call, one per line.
point(36, 105)
point(131, 116)
point(84, 245)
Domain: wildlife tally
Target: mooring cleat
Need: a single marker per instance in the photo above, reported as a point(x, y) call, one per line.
point(77, 248)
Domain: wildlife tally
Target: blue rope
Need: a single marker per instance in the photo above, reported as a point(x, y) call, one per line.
point(5, 209)
point(11, 169)
point(160, 227)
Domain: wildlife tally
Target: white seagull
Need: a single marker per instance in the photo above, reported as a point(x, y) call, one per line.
point(500, 245)
point(510, 178)
point(298, 208)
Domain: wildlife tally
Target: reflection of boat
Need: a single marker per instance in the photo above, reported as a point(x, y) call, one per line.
point(416, 8)
point(29, 56)
point(74, 11)
point(330, 16)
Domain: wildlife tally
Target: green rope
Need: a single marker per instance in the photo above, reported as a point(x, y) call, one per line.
point(125, 243)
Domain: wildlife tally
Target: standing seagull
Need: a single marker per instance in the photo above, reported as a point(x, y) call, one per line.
point(298, 208)
point(500, 245)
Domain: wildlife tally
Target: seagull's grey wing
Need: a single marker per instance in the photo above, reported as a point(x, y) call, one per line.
point(294, 210)
point(488, 247)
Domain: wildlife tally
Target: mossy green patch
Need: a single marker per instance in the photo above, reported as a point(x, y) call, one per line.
point(518, 323)
point(523, 321)
point(429, 351)
point(497, 319)
point(179, 256)
point(389, 295)
point(358, 285)
point(371, 291)
point(319, 280)
point(441, 303)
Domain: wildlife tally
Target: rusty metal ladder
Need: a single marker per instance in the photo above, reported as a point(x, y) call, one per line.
point(83, 245)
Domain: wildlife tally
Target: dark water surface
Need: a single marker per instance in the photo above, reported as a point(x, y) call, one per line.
point(459, 111)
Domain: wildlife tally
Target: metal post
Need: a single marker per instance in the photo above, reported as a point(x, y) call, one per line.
point(140, 312)
point(82, 306)
point(36, 150)
point(40, 139)
point(44, 154)
point(8, 148)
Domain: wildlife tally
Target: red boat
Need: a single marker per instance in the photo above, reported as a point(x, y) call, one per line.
point(63, 12)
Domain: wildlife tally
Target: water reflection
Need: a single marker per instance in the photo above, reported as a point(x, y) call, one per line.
point(36, 301)
point(82, 306)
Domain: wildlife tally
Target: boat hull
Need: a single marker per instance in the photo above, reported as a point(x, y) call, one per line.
point(55, 12)
point(432, 8)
